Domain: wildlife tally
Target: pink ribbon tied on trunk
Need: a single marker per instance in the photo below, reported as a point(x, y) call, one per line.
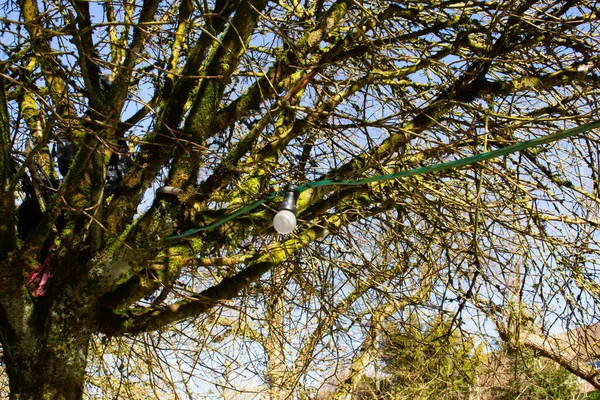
point(43, 271)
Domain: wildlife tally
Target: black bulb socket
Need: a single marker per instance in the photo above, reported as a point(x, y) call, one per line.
point(290, 198)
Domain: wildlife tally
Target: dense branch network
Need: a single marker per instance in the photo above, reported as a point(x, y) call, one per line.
point(224, 100)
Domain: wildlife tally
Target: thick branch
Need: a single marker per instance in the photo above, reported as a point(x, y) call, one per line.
point(158, 146)
point(556, 350)
point(85, 48)
point(7, 201)
point(198, 304)
point(222, 64)
point(154, 318)
point(120, 87)
point(282, 75)
point(151, 319)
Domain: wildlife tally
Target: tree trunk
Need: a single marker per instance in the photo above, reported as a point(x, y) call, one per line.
point(55, 371)
point(279, 381)
point(45, 344)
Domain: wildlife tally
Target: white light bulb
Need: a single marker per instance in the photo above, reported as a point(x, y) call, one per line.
point(284, 221)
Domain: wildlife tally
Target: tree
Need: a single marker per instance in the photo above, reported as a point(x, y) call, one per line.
point(522, 374)
point(123, 124)
point(428, 359)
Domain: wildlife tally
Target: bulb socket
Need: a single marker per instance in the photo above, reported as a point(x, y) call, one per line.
point(290, 199)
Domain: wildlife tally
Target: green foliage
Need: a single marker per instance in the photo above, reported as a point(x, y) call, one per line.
point(428, 359)
point(525, 376)
point(433, 360)
point(593, 395)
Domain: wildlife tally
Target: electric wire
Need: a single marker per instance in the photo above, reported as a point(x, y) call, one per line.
point(550, 138)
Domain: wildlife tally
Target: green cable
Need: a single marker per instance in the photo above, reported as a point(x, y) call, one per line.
point(228, 217)
point(553, 137)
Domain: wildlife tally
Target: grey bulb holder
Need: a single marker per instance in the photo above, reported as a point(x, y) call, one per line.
point(290, 198)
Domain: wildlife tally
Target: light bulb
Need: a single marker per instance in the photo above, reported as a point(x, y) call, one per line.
point(284, 222)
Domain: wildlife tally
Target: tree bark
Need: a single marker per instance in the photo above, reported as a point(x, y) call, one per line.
point(562, 354)
point(45, 343)
point(275, 344)
point(52, 371)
